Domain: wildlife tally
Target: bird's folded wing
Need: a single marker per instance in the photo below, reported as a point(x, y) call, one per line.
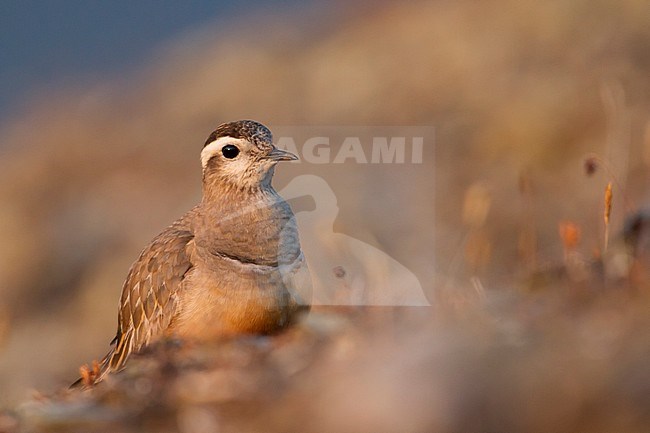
point(149, 294)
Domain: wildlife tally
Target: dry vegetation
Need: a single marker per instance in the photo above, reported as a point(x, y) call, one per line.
point(514, 224)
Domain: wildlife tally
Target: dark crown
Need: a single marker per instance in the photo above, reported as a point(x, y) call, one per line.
point(249, 130)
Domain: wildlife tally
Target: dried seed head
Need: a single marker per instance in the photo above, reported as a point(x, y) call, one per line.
point(89, 375)
point(476, 205)
point(608, 202)
point(570, 234)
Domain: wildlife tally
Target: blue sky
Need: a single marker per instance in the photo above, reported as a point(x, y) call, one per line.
point(45, 43)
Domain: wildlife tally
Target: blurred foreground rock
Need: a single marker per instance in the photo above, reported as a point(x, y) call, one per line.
point(533, 363)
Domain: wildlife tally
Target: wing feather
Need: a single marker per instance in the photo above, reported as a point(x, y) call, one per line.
point(148, 302)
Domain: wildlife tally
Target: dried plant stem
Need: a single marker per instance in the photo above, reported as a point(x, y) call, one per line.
point(607, 213)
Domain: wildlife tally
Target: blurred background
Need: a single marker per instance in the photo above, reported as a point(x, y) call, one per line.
point(104, 109)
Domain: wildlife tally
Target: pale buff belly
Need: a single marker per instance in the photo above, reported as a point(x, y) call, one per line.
point(228, 300)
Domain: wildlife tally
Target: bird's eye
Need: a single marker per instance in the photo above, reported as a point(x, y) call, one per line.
point(230, 151)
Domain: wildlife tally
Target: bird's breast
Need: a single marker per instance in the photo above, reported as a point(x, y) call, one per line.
point(262, 235)
point(247, 265)
point(232, 298)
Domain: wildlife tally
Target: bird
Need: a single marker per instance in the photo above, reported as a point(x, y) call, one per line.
point(232, 265)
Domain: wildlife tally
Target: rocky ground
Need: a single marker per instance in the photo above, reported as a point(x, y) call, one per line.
point(565, 358)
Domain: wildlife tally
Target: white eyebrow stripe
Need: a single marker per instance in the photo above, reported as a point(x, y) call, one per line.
point(214, 148)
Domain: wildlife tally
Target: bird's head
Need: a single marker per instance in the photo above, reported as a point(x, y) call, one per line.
point(240, 155)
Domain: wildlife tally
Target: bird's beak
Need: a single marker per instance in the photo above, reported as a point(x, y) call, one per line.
point(281, 155)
